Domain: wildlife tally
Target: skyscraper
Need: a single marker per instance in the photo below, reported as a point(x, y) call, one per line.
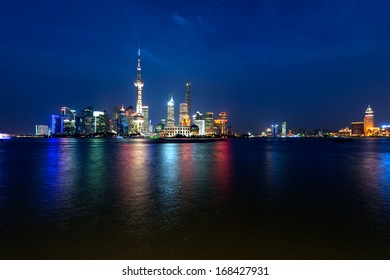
point(368, 121)
point(57, 124)
point(99, 122)
point(139, 83)
point(284, 129)
point(209, 121)
point(221, 123)
point(87, 121)
point(188, 98)
point(171, 113)
point(184, 118)
point(69, 120)
point(145, 113)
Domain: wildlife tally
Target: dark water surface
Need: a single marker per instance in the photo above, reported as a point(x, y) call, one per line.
point(234, 199)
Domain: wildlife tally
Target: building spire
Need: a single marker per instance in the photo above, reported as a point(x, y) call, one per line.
point(139, 63)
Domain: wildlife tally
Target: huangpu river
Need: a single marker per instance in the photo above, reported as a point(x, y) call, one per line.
point(233, 199)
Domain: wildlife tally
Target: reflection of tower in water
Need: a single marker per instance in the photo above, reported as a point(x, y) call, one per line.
point(222, 168)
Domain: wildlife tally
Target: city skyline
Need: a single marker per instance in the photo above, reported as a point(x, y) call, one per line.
point(313, 65)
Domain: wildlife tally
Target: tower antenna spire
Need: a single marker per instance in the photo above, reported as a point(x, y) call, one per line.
point(139, 83)
point(139, 63)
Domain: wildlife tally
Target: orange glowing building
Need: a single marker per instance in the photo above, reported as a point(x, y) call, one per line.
point(221, 123)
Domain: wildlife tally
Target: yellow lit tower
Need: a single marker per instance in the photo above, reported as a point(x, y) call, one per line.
point(139, 83)
point(368, 121)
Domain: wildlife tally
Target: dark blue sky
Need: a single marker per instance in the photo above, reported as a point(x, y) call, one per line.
point(315, 64)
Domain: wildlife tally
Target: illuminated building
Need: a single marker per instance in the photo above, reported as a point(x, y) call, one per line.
point(42, 130)
point(174, 131)
point(159, 128)
point(200, 123)
point(57, 125)
point(368, 121)
point(221, 123)
point(385, 130)
point(69, 120)
point(65, 123)
point(275, 130)
point(115, 115)
point(194, 129)
point(121, 122)
point(145, 113)
point(357, 128)
point(150, 126)
point(188, 98)
point(209, 123)
point(171, 113)
point(139, 83)
point(130, 114)
point(345, 132)
point(284, 129)
point(85, 124)
point(99, 121)
point(184, 118)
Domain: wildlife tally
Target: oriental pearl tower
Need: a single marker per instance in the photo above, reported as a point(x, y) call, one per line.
point(139, 83)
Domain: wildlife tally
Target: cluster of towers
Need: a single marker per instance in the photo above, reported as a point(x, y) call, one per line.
point(190, 125)
point(129, 121)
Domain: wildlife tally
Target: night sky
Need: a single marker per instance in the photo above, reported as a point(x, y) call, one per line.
point(313, 64)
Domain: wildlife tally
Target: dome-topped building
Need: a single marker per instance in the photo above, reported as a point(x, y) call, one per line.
point(368, 121)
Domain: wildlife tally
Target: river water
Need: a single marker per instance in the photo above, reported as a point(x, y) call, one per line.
point(233, 199)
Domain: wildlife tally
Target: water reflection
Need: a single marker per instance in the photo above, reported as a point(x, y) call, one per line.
point(222, 169)
point(59, 172)
point(133, 179)
point(185, 165)
point(105, 198)
point(3, 190)
point(169, 171)
point(367, 170)
point(383, 172)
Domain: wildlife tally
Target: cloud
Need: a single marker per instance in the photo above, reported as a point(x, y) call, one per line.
point(181, 21)
point(149, 55)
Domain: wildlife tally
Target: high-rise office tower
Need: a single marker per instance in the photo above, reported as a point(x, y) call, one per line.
point(57, 124)
point(122, 122)
point(171, 113)
point(284, 129)
point(69, 120)
point(139, 83)
point(184, 118)
point(221, 123)
point(188, 98)
point(145, 113)
point(87, 121)
point(368, 121)
point(209, 122)
point(99, 122)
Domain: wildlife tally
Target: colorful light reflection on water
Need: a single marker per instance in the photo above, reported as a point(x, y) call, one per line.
point(121, 198)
